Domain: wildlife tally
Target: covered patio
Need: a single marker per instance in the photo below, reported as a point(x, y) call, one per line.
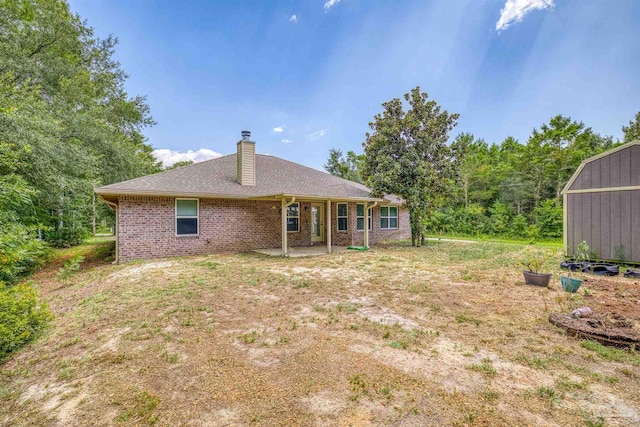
point(302, 251)
point(321, 223)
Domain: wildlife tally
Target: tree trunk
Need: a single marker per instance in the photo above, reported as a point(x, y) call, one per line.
point(466, 193)
point(94, 214)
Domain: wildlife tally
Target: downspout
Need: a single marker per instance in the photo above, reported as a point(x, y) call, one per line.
point(114, 206)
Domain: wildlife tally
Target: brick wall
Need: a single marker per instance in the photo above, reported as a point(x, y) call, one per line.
point(146, 227)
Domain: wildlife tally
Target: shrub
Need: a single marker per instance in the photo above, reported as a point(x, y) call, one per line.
point(519, 226)
point(66, 237)
point(500, 215)
point(548, 218)
point(21, 316)
point(20, 252)
point(69, 267)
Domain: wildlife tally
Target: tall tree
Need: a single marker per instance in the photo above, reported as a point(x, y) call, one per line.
point(556, 150)
point(349, 167)
point(407, 154)
point(632, 132)
point(66, 112)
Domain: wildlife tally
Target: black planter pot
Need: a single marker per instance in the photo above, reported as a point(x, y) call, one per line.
point(537, 279)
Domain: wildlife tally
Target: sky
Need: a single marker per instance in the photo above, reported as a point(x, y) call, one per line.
point(308, 75)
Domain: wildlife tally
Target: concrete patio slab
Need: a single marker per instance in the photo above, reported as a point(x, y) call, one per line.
point(302, 251)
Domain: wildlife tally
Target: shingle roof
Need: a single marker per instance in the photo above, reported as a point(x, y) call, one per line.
point(217, 178)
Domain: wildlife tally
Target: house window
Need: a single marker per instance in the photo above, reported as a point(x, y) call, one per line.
point(360, 217)
point(187, 217)
point(388, 217)
point(293, 218)
point(342, 216)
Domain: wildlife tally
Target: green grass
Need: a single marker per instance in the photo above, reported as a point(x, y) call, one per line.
point(612, 354)
point(548, 393)
point(485, 368)
point(552, 243)
point(461, 318)
point(141, 409)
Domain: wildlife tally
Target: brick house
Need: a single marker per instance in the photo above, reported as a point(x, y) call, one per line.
point(246, 201)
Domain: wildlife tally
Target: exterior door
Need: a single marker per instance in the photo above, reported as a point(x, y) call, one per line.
point(317, 223)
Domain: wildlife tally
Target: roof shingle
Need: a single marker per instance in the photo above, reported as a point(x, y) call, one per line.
point(217, 178)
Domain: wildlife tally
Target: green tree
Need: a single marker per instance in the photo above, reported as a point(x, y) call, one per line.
point(64, 108)
point(407, 154)
point(555, 151)
point(179, 164)
point(632, 132)
point(349, 167)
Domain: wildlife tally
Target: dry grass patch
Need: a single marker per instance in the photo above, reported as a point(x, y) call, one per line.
point(446, 334)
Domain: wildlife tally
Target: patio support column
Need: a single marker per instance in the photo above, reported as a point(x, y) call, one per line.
point(283, 210)
point(368, 208)
point(329, 226)
point(366, 225)
point(284, 206)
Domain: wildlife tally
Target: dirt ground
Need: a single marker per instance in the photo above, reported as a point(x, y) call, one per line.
point(442, 335)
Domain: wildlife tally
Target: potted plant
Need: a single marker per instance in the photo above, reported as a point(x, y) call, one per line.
point(572, 284)
point(533, 263)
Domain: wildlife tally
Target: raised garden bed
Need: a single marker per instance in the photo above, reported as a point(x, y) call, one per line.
point(612, 330)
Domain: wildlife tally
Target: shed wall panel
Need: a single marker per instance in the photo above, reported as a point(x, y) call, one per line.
point(587, 210)
point(623, 250)
point(614, 170)
point(579, 183)
point(618, 169)
point(635, 226)
point(570, 220)
point(615, 223)
point(586, 176)
point(596, 175)
point(605, 226)
point(577, 221)
point(625, 168)
point(635, 164)
point(596, 224)
point(605, 172)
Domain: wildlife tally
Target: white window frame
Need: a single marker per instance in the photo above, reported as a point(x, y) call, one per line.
point(388, 217)
point(358, 217)
point(197, 217)
point(339, 217)
point(293, 216)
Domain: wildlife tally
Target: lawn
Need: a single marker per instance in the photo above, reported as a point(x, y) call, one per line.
point(446, 334)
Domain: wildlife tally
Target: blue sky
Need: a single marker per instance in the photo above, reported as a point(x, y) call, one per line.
point(213, 68)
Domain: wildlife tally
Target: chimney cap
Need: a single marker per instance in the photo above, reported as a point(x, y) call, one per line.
point(246, 135)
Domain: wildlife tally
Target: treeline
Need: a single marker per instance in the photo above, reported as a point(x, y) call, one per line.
point(509, 189)
point(66, 125)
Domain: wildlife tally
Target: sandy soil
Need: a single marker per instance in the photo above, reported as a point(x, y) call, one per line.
point(443, 335)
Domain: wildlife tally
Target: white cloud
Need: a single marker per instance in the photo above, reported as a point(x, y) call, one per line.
point(317, 134)
point(515, 10)
point(286, 141)
point(330, 3)
point(278, 129)
point(170, 157)
point(293, 19)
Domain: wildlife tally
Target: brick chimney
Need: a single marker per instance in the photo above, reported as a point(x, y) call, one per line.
point(246, 158)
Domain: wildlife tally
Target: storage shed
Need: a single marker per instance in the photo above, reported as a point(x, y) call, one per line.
point(602, 205)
